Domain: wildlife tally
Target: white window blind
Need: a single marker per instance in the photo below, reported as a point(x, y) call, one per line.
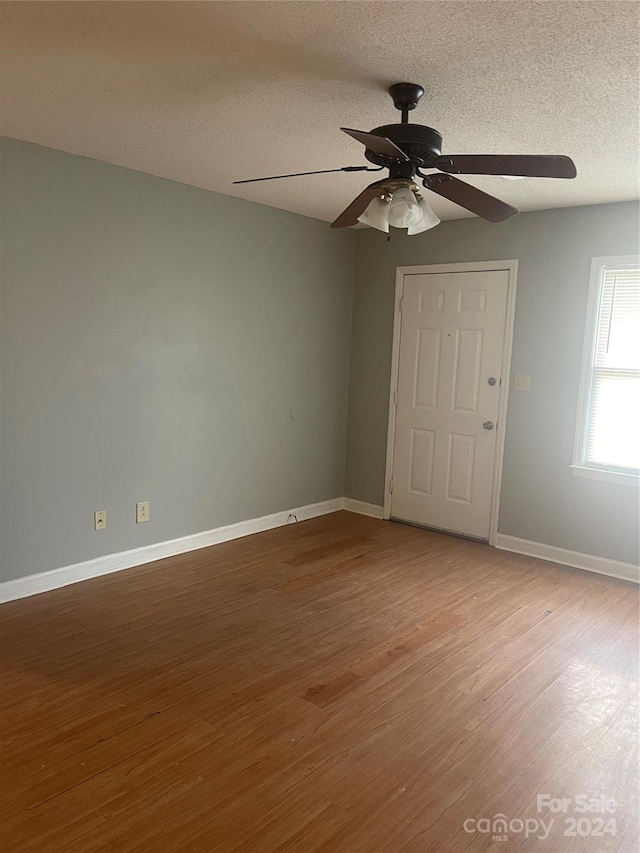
point(612, 436)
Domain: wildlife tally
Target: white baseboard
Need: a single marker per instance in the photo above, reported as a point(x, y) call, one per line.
point(362, 508)
point(45, 581)
point(599, 565)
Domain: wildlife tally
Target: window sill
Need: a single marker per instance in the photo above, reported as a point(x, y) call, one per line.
point(603, 474)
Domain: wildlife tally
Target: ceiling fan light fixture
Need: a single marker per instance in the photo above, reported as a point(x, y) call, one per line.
point(406, 149)
point(376, 215)
point(428, 219)
point(404, 210)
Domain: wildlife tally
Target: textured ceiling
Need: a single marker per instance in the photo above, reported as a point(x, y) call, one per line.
point(209, 92)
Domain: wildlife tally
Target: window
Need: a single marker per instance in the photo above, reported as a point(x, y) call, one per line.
point(608, 430)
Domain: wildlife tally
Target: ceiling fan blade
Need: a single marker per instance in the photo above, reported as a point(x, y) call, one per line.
point(379, 144)
point(320, 172)
point(349, 215)
point(470, 198)
point(527, 165)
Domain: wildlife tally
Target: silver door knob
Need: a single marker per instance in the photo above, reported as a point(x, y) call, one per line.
point(488, 425)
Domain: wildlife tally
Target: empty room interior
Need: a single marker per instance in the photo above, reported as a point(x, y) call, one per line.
point(320, 426)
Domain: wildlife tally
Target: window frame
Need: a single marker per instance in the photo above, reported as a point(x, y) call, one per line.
point(580, 466)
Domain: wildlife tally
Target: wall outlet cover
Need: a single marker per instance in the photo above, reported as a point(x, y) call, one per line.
point(142, 512)
point(100, 519)
point(522, 382)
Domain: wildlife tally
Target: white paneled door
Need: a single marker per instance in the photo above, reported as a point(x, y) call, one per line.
point(452, 331)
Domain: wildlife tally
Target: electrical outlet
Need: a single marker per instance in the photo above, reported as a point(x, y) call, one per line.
point(521, 382)
point(100, 519)
point(142, 511)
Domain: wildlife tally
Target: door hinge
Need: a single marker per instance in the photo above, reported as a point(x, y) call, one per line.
point(390, 487)
point(400, 305)
point(395, 398)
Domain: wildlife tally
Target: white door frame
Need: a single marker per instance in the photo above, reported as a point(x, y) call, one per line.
point(479, 266)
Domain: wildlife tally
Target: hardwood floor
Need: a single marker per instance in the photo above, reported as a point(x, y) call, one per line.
point(342, 684)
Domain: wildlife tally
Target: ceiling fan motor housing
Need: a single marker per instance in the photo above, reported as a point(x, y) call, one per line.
point(420, 143)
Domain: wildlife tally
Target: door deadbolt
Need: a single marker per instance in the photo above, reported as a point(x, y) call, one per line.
point(491, 380)
point(488, 425)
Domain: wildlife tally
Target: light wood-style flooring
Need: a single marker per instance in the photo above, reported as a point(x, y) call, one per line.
point(341, 684)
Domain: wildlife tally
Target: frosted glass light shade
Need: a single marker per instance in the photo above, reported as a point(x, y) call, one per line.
point(427, 220)
point(404, 211)
point(380, 214)
point(375, 215)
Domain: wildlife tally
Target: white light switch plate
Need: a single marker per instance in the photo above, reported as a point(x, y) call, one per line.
point(142, 511)
point(522, 382)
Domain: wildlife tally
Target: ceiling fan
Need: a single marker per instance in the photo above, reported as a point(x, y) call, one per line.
point(406, 150)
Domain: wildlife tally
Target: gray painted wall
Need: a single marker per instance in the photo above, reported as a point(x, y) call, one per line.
point(160, 342)
point(541, 499)
point(163, 343)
